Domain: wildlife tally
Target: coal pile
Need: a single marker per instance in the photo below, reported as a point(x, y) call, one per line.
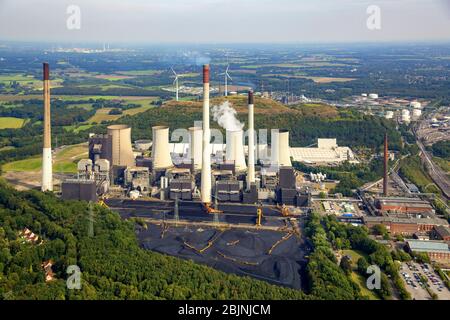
point(275, 257)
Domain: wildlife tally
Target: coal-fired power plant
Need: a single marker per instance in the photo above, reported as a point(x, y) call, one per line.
point(47, 174)
point(198, 173)
point(206, 165)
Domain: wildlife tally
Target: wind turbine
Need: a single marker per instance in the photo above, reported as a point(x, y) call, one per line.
point(175, 82)
point(227, 76)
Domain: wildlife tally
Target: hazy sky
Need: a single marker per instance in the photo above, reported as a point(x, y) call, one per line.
point(199, 21)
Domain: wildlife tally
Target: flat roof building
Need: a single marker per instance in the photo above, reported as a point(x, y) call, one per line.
point(405, 226)
point(403, 205)
point(437, 250)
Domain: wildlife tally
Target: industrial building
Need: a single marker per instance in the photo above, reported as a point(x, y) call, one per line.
point(437, 251)
point(404, 225)
point(403, 205)
point(199, 171)
point(327, 152)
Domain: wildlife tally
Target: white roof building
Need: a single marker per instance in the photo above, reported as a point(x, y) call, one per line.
point(327, 151)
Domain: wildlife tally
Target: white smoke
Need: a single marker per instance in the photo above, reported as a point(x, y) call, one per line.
point(225, 116)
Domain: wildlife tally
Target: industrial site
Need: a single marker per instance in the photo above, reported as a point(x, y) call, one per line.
point(237, 203)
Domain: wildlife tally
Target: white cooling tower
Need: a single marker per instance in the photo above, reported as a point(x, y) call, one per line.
point(274, 149)
point(235, 149)
point(161, 151)
point(281, 154)
point(195, 147)
point(284, 149)
point(122, 150)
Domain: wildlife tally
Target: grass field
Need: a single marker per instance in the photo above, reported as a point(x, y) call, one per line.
point(103, 114)
point(356, 277)
point(65, 161)
point(444, 164)
point(11, 123)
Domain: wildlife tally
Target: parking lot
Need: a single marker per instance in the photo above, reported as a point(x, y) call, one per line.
point(413, 273)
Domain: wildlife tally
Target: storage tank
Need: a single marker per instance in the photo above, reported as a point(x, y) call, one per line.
point(161, 151)
point(406, 115)
point(416, 105)
point(417, 113)
point(373, 96)
point(389, 115)
point(122, 150)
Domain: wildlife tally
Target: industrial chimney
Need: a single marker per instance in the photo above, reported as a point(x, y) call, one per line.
point(161, 151)
point(47, 173)
point(386, 166)
point(121, 147)
point(235, 149)
point(251, 141)
point(195, 147)
point(206, 166)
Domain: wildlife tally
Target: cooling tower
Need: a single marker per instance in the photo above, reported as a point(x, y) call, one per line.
point(235, 149)
point(206, 165)
point(47, 171)
point(284, 149)
point(161, 151)
point(274, 149)
point(281, 152)
point(195, 147)
point(251, 141)
point(122, 150)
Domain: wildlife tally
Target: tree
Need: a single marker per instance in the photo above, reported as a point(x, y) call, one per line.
point(346, 264)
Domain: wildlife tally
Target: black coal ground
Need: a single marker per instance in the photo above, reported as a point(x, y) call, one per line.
point(233, 251)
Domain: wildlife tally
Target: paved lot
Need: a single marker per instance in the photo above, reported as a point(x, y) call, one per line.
point(412, 274)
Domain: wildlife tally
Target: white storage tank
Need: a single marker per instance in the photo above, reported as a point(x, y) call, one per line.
point(417, 113)
point(389, 115)
point(373, 96)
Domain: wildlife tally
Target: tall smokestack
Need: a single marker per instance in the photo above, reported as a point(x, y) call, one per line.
point(386, 165)
point(251, 141)
point(47, 174)
point(206, 165)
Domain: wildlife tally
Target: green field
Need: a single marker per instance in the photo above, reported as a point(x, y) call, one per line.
point(11, 123)
point(356, 277)
point(65, 161)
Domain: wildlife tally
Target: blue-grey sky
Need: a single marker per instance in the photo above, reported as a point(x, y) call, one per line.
point(212, 21)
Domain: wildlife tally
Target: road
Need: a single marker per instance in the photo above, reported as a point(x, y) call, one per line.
point(436, 173)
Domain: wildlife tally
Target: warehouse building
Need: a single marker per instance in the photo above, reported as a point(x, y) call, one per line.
point(405, 226)
point(437, 251)
point(327, 152)
point(441, 233)
point(403, 205)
